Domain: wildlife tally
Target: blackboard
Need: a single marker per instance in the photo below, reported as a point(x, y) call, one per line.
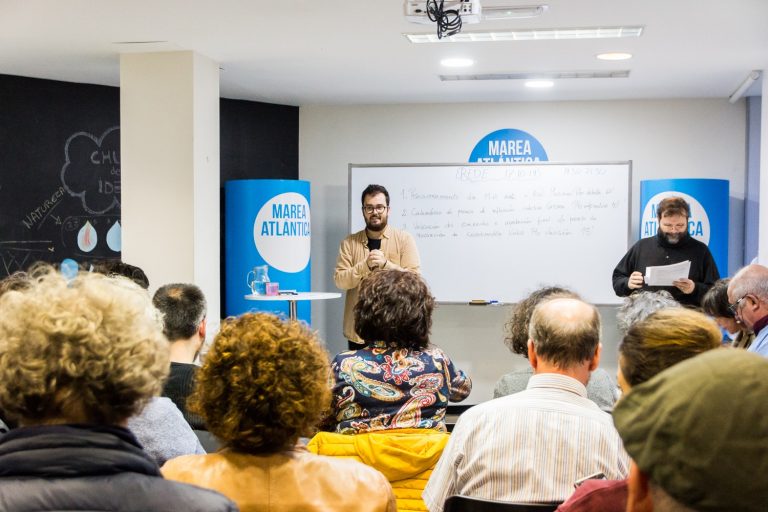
point(496, 232)
point(52, 183)
point(59, 172)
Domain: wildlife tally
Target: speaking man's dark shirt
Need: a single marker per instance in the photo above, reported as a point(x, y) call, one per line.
point(654, 251)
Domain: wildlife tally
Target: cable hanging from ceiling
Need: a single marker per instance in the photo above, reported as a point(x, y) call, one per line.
point(448, 20)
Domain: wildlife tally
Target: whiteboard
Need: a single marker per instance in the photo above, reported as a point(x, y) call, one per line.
point(496, 232)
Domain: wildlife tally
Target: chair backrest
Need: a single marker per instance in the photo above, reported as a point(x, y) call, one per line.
point(467, 504)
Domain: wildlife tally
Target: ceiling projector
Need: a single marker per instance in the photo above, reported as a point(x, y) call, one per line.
point(469, 10)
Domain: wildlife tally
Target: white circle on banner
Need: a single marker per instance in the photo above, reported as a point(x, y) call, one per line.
point(281, 232)
point(698, 220)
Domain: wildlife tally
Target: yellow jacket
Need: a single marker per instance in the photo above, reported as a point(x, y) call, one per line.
point(405, 456)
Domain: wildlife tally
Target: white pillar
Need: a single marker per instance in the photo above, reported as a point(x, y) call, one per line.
point(762, 251)
point(169, 124)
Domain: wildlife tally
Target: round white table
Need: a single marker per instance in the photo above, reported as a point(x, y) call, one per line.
point(294, 298)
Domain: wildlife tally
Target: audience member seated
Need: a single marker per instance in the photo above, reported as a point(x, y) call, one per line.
point(76, 360)
point(531, 446)
point(160, 427)
point(698, 436)
point(405, 456)
point(715, 304)
point(264, 384)
point(163, 432)
point(748, 299)
point(16, 281)
point(601, 388)
point(639, 305)
point(399, 380)
point(661, 340)
point(184, 308)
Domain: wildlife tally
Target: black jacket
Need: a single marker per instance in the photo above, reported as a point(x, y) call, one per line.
point(655, 250)
point(178, 387)
point(85, 467)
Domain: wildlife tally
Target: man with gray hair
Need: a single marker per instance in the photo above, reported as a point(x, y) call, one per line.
point(533, 445)
point(748, 298)
point(184, 308)
point(641, 304)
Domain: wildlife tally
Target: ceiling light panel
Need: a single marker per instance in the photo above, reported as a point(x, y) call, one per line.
point(551, 75)
point(545, 34)
point(614, 56)
point(499, 12)
point(456, 62)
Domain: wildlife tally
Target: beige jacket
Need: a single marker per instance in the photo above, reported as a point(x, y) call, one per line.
point(291, 481)
point(400, 250)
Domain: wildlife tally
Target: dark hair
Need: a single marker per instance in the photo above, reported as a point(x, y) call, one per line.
point(518, 323)
point(562, 334)
point(183, 307)
point(396, 307)
point(673, 206)
point(715, 301)
point(372, 190)
point(118, 268)
point(665, 338)
point(263, 384)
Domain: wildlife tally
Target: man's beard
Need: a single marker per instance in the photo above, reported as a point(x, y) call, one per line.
point(675, 238)
point(379, 227)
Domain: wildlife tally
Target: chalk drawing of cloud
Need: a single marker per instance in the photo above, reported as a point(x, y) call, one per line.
point(92, 169)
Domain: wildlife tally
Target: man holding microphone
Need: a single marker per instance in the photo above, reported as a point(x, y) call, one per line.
point(377, 247)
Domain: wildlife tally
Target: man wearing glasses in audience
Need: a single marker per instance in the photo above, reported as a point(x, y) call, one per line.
point(376, 247)
point(748, 297)
point(672, 244)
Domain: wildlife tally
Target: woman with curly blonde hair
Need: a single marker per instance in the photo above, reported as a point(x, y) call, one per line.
point(262, 386)
point(77, 359)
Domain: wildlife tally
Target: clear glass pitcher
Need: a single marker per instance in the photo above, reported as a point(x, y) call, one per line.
point(257, 279)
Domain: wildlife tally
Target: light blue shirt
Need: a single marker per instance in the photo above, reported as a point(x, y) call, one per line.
point(760, 345)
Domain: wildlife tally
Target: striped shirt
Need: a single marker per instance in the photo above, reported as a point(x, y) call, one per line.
point(528, 447)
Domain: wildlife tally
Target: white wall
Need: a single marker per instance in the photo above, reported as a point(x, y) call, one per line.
point(169, 117)
point(664, 139)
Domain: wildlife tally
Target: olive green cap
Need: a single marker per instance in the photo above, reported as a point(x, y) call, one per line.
point(699, 430)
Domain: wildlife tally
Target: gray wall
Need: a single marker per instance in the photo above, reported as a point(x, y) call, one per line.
point(664, 139)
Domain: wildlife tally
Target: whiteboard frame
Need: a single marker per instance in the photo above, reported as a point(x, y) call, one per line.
point(628, 163)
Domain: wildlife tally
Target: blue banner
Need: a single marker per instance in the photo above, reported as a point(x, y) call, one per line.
point(508, 145)
point(708, 219)
point(267, 222)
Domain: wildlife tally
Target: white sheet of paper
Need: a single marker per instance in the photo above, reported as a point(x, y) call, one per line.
point(663, 275)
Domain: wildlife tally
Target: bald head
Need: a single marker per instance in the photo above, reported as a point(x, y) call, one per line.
point(565, 332)
point(749, 291)
point(750, 279)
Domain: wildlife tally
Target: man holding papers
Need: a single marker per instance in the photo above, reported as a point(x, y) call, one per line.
point(672, 260)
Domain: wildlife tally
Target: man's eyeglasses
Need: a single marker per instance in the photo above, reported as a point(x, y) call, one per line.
point(378, 209)
point(733, 308)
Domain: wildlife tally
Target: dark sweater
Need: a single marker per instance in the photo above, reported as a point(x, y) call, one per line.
point(93, 468)
point(654, 251)
point(178, 387)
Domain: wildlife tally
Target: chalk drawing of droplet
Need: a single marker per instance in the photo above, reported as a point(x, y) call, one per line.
point(87, 238)
point(114, 237)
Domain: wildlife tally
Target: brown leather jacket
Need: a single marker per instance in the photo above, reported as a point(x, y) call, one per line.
point(290, 481)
